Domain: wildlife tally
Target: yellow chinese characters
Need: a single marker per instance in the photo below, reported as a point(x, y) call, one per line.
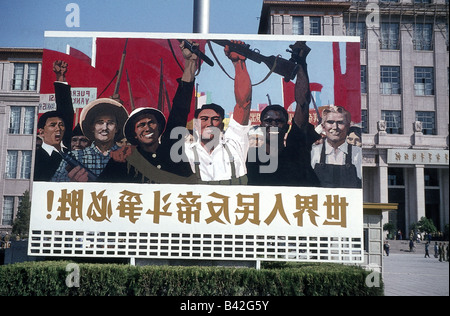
point(190, 208)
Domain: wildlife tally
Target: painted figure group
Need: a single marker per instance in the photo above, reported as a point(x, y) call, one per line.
point(161, 150)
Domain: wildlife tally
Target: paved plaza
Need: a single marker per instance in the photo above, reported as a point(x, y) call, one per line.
point(411, 274)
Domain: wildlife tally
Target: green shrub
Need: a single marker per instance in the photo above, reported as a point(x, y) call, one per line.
point(49, 279)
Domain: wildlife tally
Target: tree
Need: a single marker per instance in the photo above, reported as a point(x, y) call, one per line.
point(426, 225)
point(390, 228)
point(21, 224)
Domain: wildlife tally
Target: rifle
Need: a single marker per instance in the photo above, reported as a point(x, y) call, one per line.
point(277, 64)
point(119, 75)
point(195, 50)
point(71, 161)
point(130, 92)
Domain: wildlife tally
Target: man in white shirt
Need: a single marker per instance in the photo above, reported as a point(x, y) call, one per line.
point(219, 157)
point(337, 163)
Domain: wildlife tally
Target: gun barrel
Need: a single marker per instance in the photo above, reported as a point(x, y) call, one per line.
point(241, 49)
point(122, 63)
point(75, 163)
point(195, 50)
point(278, 65)
point(283, 67)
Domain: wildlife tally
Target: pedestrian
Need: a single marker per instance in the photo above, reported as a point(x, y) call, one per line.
point(447, 252)
point(436, 250)
point(386, 247)
point(411, 245)
point(444, 252)
point(6, 240)
point(441, 250)
point(427, 254)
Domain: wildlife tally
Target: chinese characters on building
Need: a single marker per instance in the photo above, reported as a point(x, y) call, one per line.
point(411, 156)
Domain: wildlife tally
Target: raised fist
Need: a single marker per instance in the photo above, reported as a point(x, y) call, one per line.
point(60, 69)
point(233, 56)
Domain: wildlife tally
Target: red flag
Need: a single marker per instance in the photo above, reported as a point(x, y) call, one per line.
point(79, 55)
point(347, 87)
point(288, 93)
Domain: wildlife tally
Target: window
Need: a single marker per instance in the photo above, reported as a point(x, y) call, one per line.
point(423, 36)
point(14, 120)
point(18, 77)
point(357, 29)
point(390, 36)
point(364, 121)
point(16, 158)
point(395, 176)
point(315, 25)
point(390, 80)
point(28, 124)
point(17, 125)
point(25, 168)
point(8, 210)
point(424, 80)
point(393, 121)
point(32, 77)
point(298, 25)
point(25, 76)
point(431, 177)
point(363, 79)
point(428, 120)
point(422, 1)
point(11, 164)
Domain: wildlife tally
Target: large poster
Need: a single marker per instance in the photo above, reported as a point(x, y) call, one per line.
point(230, 147)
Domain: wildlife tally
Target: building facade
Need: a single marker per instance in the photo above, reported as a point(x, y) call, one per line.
point(404, 95)
point(20, 70)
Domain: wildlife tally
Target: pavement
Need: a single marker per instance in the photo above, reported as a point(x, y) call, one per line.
point(408, 273)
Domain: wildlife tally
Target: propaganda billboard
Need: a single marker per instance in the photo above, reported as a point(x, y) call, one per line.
point(189, 146)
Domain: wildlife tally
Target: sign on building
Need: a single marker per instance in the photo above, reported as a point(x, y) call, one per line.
point(418, 157)
point(281, 180)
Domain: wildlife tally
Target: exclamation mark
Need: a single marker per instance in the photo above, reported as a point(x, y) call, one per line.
point(50, 196)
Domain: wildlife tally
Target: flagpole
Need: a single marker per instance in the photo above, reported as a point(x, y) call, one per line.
point(201, 16)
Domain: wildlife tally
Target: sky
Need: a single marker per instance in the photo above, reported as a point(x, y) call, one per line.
point(23, 22)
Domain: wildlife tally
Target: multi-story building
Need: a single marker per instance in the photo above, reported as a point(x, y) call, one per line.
point(404, 94)
point(20, 70)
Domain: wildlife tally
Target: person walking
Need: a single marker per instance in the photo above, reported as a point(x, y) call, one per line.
point(436, 250)
point(427, 254)
point(411, 245)
point(386, 247)
point(444, 252)
point(447, 253)
point(441, 251)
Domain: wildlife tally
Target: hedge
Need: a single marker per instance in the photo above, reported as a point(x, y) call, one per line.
point(49, 279)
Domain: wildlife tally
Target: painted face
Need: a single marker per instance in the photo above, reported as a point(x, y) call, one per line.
point(354, 139)
point(210, 123)
point(53, 132)
point(105, 128)
point(122, 142)
point(336, 127)
point(277, 120)
point(79, 142)
point(274, 119)
point(147, 130)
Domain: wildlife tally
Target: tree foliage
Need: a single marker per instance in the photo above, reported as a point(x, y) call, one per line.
point(425, 225)
point(21, 224)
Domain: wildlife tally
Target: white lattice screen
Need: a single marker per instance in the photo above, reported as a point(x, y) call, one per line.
point(274, 240)
point(195, 246)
